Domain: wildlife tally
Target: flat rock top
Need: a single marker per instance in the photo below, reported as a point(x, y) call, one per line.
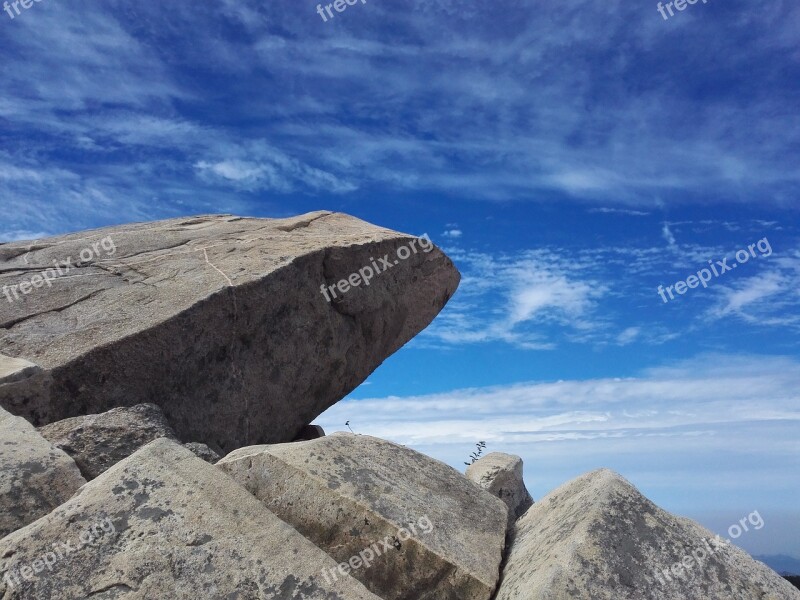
point(491, 464)
point(116, 281)
point(390, 479)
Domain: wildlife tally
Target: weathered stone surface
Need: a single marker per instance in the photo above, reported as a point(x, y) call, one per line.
point(501, 475)
point(166, 524)
point(203, 451)
point(219, 320)
point(348, 492)
point(597, 537)
point(96, 442)
point(310, 432)
point(35, 476)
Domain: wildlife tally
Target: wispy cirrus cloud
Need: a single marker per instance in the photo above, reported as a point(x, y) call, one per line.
point(412, 97)
point(508, 298)
point(257, 165)
point(767, 299)
point(671, 400)
point(540, 299)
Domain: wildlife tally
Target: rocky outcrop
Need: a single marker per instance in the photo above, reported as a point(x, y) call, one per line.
point(404, 524)
point(165, 524)
point(501, 475)
point(597, 537)
point(35, 476)
point(242, 330)
point(96, 442)
point(122, 343)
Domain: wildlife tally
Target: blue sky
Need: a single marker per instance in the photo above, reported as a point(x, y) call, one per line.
point(570, 157)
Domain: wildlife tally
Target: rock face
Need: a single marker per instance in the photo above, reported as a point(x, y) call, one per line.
point(35, 476)
point(597, 537)
point(202, 451)
point(220, 320)
point(165, 524)
point(404, 524)
point(501, 475)
point(96, 442)
point(310, 432)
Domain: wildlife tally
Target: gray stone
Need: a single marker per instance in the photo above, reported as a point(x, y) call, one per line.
point(597, 537)
point(203, 451)
point(433, 533)
point(165, 524)
point(310, 432)
point(219, 320)
point(96, 442)
point(501, 475)
point(35, 476)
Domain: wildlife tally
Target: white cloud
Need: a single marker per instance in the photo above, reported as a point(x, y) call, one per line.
point(666, 233)
point(513, 298)
point(453, 233)
point(754, 289)
point(620, 211)
point(701, 394)
point(235, 170)
point(539, 292)
point(268, 168)
point(766, 299)
point(629, 335)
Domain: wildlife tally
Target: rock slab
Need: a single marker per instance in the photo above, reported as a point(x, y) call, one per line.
point(35, 476)
point(97, 442)
point(597, 537)
point(165, 524)
point(438, 535)
point(500, 474)
point(220, 320)
point(309, 432)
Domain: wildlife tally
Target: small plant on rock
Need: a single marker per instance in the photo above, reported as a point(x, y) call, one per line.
point(477, 454)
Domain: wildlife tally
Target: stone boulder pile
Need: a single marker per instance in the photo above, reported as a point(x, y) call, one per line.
point(173, 371)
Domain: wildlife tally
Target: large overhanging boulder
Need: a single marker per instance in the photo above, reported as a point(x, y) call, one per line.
point(242, 330)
